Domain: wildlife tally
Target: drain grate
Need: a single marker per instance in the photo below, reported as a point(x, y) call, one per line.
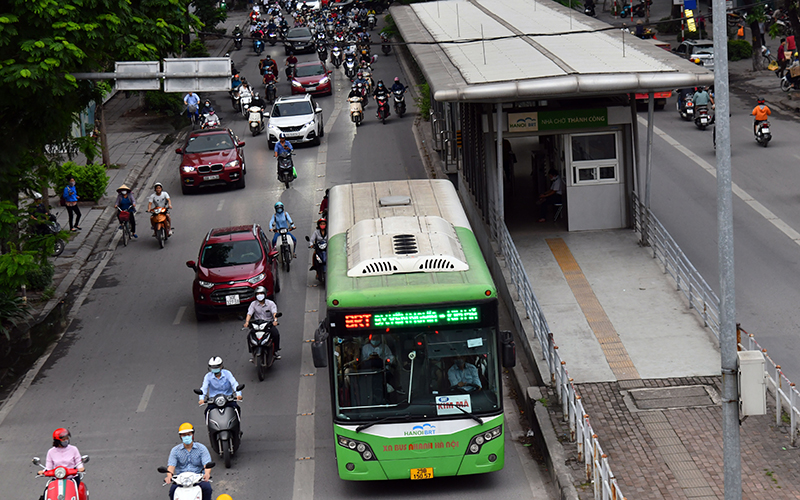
point(664, 398)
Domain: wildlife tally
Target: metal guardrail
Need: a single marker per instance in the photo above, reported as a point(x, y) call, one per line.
point(703, 299)
point(689, 282)
point(596, 466)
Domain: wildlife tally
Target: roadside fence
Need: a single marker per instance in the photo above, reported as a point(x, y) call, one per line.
point(596, 466)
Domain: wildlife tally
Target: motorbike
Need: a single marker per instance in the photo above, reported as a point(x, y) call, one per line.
point(638, 10)
point(350, 66)
point(786, 82)
point(338, 37)
point(290, 71)
point(256, 120)
point(356, 110)
point(52, 227)
point(286, 246)
point(61, 487)
point(588, 9)
point(385, 47)
point(286, 172)
point(223, 422)
point(318, 260)
point(272, 37)
point(237, 40)
point(701, 117)
point(261, 346)
point(383, 107)
point(685, 108)
point(371, 21)
point(336, 56)
point(159, 223)
point(244, 103)
point(269, 92)
point(284, 28)
point(258, 46)
point(188, 483)
point(763, 134)
point(367, 73)
point(235, 99)
point(210, 120)
point(322, 53)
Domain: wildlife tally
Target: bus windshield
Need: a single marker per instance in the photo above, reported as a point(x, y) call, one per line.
point(416, 374)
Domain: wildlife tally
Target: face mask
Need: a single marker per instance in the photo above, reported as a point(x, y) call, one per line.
point(187, 439)
point(64, 443)
point(71, 183)
point(375, 342)
point(260, 297)
point(124, 193)
point(216, 370)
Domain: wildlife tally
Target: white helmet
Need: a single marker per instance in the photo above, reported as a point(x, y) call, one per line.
point(215, 362)
point(37, 196)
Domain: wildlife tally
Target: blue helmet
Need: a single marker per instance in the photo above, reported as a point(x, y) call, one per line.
point(279, 207)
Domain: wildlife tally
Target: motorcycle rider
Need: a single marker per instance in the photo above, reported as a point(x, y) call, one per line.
point(702, 98)
point(39, 214)
point(218, 380)
point(160, 199)
point(280, 220)
point(237, 30)
point(381, 91)
point(207, 107)
point(283, 146)
point(761, 113)
point(63, 454)
point(290, 60)
point(264, 309)
point(125, 201)
point(397, 86)
point(323, 205)
point(320, 235)
point(268, 65)
point(189, 456)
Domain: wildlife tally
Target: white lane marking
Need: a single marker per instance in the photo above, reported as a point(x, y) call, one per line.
point(148, 391)
point(773, 219)
point(179, 316)
point(797, 156)
point(221, 204)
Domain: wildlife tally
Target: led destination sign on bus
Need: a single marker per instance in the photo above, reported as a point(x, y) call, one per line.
point(428, 317)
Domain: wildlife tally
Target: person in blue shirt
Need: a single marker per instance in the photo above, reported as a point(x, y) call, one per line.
point(283, 146)
point(70, 195)
point(192, 102)
point(126, 202)
point(189, 456)
point(464, 375)
point(219, 381)
point(281, 219)
point(397, 86)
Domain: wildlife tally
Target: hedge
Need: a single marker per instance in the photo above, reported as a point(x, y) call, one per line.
point(91, 180)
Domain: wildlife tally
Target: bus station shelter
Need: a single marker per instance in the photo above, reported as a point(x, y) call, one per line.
point(522, 87)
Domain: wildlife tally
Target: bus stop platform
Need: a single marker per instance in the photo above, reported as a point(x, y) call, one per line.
point(647, 371)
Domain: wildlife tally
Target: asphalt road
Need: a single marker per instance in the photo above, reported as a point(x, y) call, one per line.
point(122, 378)
point(767, 258)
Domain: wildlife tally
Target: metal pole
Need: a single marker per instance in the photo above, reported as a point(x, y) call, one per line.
point(458, 22)
point(648, 167)
point(731, 455)
point(500, 201)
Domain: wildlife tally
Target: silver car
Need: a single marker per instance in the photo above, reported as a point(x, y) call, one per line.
point(299, 117)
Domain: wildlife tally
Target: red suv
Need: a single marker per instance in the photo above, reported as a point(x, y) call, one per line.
point(212, 157)
point(233, 261)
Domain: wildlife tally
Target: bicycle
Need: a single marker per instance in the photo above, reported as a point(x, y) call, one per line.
point(191, 112)
point(125, 224)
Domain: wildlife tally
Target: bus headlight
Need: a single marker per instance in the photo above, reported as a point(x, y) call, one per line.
point(358, 446)
point(478, 441)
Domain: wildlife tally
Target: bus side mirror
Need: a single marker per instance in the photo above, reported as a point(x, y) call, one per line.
point(319, 350)
point(509, 349)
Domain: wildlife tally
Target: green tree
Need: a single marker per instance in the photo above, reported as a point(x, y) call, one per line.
point(209, 13)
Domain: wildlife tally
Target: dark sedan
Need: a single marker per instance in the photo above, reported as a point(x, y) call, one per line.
point(299, 40)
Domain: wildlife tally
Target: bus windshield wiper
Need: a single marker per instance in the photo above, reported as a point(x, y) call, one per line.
point(473, 417)
point(382, 420)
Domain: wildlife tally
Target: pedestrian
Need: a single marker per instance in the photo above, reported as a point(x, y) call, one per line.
point(70, 195)
point(553, 196)
point(701, 23)
point(762, 28)
point(740, 32)
point(782, 60)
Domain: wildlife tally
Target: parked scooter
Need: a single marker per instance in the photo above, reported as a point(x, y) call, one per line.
point(256, 120)
point(638, 10)
point(60, 487)
point(188, 483)
point(399, 102)
point(286, 246)
point(336, 56)
point(383, 107)
point(318, 263)
point(158, 219)
point(223, 422)
point(763, 134)
point(588, 8)
point(356, 110)
point(286, 172)
point(260, 345)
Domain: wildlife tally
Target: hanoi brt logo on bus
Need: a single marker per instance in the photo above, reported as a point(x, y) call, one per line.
point(421, 430)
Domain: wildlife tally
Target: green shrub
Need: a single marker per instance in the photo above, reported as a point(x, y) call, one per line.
point(91, 181)
point(197, 49)
point(391, 28)
point(424, 101)
point(669, 26)
point(162, 102)
point(739, 49)
point(12, 310)
point(40, 277)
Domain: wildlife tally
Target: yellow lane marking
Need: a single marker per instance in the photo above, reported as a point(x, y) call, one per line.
point(616, 355)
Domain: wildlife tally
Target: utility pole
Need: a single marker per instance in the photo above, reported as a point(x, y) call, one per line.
point(731, 454)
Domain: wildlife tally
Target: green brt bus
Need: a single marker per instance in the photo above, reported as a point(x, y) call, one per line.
point(411, 335)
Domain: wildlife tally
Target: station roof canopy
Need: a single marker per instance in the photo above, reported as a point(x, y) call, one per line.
point(507, 50)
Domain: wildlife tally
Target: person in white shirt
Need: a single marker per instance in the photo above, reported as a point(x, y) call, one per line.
point(160, 199)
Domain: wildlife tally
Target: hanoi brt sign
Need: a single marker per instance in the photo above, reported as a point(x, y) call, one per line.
point(537, 121)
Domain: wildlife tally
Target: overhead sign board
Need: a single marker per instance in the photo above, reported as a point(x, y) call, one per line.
point(137, 75)
point(199, 74)
point(537, 121)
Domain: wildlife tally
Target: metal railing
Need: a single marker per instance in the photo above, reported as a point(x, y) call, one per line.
point(703, 299)
point(596, 466)
point(689, 282)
